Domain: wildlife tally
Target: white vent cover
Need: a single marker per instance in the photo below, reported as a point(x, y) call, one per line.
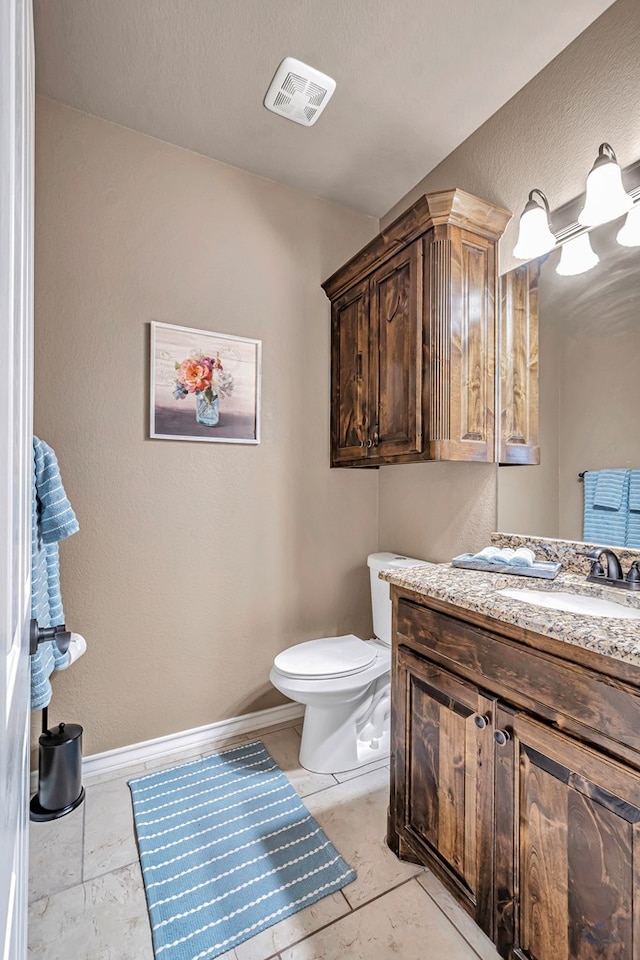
point(299, 92)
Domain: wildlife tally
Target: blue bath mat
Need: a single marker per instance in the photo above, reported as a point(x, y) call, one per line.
point(227, 849)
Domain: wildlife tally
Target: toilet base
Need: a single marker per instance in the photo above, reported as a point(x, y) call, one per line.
point(337, 738)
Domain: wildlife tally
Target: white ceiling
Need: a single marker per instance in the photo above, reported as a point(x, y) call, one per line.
point(415, 78)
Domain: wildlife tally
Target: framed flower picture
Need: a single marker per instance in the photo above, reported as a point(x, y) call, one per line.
point(204, 386)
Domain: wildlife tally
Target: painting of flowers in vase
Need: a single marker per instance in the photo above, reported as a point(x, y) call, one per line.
point(204, 385)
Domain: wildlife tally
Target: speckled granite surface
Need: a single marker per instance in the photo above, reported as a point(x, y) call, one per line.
point(562, 551)
point(479, 591)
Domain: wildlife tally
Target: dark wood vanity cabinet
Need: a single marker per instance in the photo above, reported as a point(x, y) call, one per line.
point(413, 337)
point(530, 815)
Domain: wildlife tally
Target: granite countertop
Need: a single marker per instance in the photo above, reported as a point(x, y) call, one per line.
point(478, 591)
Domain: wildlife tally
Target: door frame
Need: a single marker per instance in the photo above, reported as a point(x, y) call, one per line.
point(16, 461)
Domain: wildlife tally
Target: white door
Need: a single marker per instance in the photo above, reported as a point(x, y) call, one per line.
point(16, 460)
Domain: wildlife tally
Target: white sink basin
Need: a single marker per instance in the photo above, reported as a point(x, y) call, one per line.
point(573, 603)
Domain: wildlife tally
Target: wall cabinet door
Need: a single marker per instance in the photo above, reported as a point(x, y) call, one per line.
point(444, 777)
point(573, 817)
point(396, 355)
point(459, 304)
point(350, 375)
point(518, 399)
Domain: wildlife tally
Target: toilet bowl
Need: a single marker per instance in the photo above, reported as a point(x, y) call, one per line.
point(345, 685)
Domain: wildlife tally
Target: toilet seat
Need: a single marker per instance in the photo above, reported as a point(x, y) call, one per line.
point(325, 658)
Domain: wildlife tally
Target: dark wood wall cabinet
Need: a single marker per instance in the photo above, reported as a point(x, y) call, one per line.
point(413, 337)
point(515, 776)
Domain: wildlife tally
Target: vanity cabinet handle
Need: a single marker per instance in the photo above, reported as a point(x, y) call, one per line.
point(501, 737)
point(481, 721)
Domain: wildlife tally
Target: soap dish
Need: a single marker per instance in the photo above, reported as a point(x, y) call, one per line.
point(543, 569)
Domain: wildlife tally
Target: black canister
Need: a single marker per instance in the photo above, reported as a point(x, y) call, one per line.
point(60, 768)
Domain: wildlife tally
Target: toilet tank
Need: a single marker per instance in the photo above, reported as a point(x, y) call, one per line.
point(380, 589)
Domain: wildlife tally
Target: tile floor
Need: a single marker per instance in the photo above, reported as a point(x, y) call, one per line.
point(87, 898)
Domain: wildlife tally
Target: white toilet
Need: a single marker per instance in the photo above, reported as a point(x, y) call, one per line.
point(345, 685)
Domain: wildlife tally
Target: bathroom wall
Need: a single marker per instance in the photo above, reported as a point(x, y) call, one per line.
point(546, 136)
point(195, 563)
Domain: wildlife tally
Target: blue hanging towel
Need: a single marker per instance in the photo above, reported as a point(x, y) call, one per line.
point(52, 521)
point(633, 524)
point(606, 498)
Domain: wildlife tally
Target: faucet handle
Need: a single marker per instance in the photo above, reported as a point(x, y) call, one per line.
point(597, 570)
point(633, 574)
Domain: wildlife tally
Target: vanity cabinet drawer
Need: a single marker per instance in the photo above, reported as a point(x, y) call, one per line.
point(573, 697)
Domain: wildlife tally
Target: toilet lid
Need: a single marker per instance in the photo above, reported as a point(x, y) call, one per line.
point(328, 657)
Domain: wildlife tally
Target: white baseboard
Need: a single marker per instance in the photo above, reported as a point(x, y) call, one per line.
point(99, 764)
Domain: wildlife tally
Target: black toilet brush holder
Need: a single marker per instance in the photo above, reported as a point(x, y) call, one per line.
point(60, 787)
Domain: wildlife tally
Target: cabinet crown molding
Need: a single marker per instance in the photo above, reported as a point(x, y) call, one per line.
point(455, 207)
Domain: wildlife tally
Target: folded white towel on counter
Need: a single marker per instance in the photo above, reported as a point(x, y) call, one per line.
point(522, 557)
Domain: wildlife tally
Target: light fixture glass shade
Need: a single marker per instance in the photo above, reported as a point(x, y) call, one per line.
point(577, 256)
point(535, 237)
point(629, 233)
point(606, 199)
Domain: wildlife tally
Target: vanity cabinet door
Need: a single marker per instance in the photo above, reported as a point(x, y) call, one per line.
point(576, 866)
point(443, 778)
point(350, 376)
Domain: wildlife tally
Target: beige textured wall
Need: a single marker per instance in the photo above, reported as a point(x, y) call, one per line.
point(546, 136)
point(195, 563)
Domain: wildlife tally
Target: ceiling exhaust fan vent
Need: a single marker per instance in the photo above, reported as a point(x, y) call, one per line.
point(299, 92)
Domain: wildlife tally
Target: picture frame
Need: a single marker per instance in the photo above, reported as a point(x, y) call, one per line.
point(204, 386)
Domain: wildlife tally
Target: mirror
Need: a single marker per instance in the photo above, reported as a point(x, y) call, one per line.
point(589, 328)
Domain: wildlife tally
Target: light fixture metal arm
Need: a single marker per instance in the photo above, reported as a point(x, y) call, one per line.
point(542, 196)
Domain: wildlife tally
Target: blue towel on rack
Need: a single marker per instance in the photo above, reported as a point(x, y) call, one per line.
point(52, 521)
point(633, 524)
point(610, 488)
point(606, 524)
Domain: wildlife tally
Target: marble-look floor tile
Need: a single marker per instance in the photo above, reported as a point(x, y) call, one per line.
point(403, 923)
point(55, 854)
point(354, 817)
point(109, 839)
point(126, 772)
point(176, 759)
point(458, 916)
point(367, 768)
point(287, 725)
point(105, 918)
point(294, 928)
point(284, 747)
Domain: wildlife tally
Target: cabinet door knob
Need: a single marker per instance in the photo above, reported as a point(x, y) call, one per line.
point(501, 737)
point(481, 721)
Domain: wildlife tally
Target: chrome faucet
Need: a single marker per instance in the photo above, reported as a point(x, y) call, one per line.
point(612, 576)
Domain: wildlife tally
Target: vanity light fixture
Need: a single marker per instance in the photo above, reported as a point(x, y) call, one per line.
point(629, 233)
point(606, 199)
point(577, 256)
point(535, 237)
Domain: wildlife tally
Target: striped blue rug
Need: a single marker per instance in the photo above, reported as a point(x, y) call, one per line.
point(227, 849)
